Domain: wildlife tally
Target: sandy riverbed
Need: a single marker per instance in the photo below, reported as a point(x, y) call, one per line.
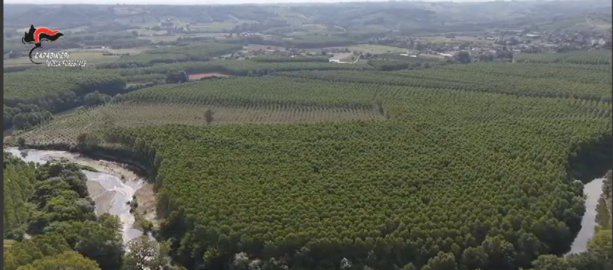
point(111, 187)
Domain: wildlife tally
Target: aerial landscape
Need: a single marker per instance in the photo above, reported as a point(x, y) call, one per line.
point(295, 136)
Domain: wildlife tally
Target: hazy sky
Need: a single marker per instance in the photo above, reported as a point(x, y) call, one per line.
point(197, 2)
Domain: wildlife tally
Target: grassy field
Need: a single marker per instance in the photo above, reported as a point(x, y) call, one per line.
point(257, 47)
point(457, 39)
point(149, 32)
point(95, 51)
point(376, 49)
point(157, 39)
point(426, 55)
point(169, 38)
point(214, 26)
point(344, 56)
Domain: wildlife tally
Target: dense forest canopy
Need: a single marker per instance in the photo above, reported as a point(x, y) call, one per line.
point(389, 135)
point(52, 205)
point(385, 170)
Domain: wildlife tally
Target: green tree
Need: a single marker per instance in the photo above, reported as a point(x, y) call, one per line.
point(21, 142)
point(551, 262)
point(463, 57)
point(88, 141)
point(409, 266)
point(67, 260)
point(30, 250)
point(96, 98)
point(208, 116)
point(442, 261)
point(240, 262)
point(145, 253)
point(474, 258)
point(499, 252)
point(98, 240)
point(176, 76)
point(588, 261)
point(601, 245)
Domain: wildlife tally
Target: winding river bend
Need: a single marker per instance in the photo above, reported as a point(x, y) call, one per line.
point(593, 191)
point(106, 187)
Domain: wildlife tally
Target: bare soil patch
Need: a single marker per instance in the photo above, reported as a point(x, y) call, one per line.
point(198, 76)
point(146, 202)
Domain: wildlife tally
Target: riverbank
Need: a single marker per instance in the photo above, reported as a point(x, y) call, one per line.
point(112, 186)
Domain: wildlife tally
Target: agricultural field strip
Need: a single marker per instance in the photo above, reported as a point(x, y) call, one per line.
point(128, 114)
point(271, 96)
point(600, 57)
point(468, 80)
point(18, 87)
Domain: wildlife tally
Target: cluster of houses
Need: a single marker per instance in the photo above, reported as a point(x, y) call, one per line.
point(241, 34)
point(116, 54)
point(501, 42)
point(553, 39)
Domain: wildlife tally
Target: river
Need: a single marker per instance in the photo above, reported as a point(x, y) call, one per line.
point(593, 191)
point(106, 187)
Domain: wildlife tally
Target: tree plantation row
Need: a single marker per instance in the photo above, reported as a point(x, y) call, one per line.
point(382, 194)
point(454, 167)
point(43, 86)
point(469, 79)
point(57, 90)
point(597, 57)
point(55, 85)
point(20, 87)
point(273, 99)
point(459, 178)
point(67, 128)
point(569, 72)
point(242, 67)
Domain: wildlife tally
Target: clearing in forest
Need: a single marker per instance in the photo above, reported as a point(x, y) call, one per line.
point(66, 129)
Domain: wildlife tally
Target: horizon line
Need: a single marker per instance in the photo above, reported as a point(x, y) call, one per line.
point(255, 2)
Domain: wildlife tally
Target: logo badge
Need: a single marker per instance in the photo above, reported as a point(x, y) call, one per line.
point(37, 35)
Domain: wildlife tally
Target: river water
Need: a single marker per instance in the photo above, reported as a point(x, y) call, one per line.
point(106, 187)
point(593, 191)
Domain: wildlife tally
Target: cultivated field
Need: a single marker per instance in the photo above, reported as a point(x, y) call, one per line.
point(376, 49)
point(456, 39)
point(256, 47)
point(198, 76)
point(65, 129)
